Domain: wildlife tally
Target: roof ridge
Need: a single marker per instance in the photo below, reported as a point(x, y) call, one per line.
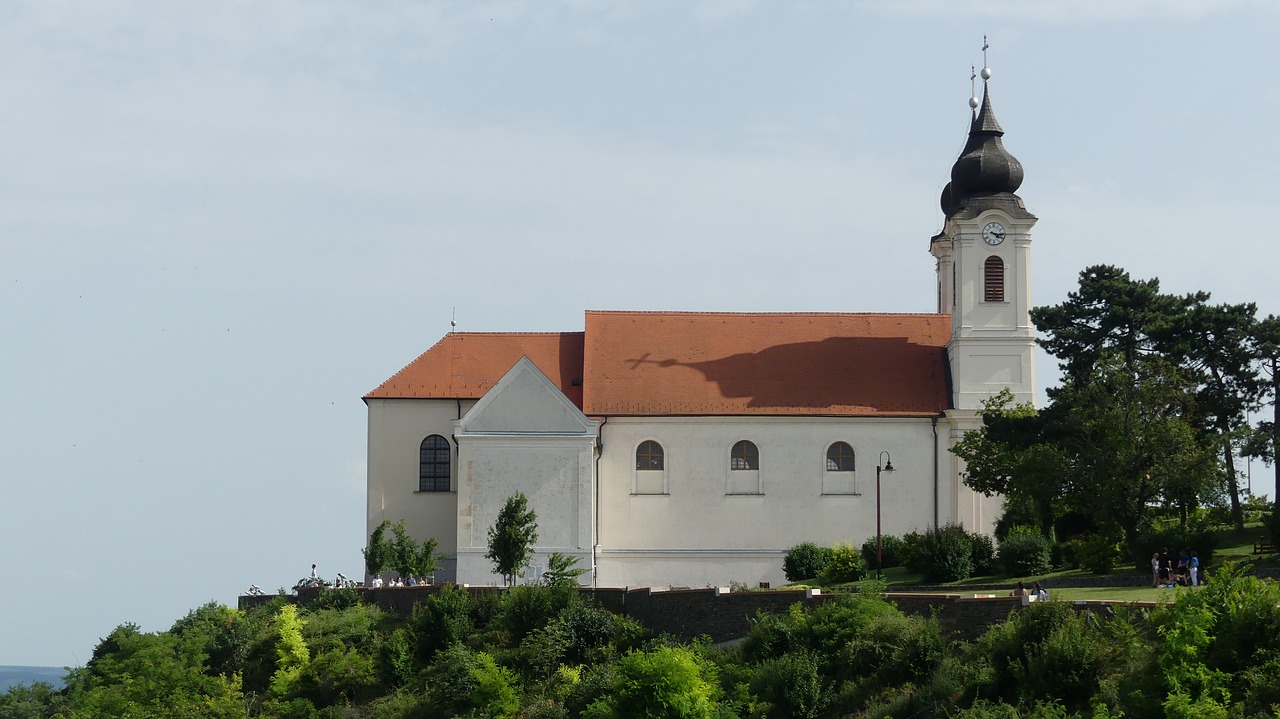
point(783, 313)
point(511, 334)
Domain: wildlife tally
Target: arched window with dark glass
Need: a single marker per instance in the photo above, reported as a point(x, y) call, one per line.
point(744, 456)
point(840, 457)
point(433, 465)
point(993, 280)
point(649, 455)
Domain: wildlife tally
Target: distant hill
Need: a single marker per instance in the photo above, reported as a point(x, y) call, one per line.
point(28, 675)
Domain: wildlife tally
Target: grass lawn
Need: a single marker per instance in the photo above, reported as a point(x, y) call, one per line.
point(1120, 594)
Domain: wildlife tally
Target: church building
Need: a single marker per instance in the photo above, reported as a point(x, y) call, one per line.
point(692, 449)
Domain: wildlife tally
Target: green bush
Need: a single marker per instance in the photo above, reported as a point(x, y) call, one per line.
point(984, 554)
point(805, 561)
point(463, 682)
point(1100, 553)
point(891, 549)
point(845, 565)
point(396, 664)
point(1066, 555)
point(1025, 552)
point(792, 685)
point(667, 681)
point(530, 607)
point(911, 543)
point(1270, 525)
point(946, 554)
point(339, 674)
point(774, 634)
point(443, 620)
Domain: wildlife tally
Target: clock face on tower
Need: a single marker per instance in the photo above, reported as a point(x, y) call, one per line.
point(993, 233)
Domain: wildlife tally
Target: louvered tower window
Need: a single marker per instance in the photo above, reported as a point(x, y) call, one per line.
point(993, 280)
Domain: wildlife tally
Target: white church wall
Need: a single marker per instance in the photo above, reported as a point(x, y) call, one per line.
point(666, 539)
point(524, 436)
point(396, 430)
point(555, 474)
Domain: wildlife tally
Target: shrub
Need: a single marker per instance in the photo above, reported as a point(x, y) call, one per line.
point(342, 673)
point(805, 561)
point(463, 682)
point(1066, 555)
point(667, 681)
point(774, 634)
point(444, 619)
point(395, 659)
point(527, 608)
point(1270, 525)
point(891, 549)
point(1099, 553)
point(792, 685)
point(984, 554)
point(945, 554)
point(845, 565)
point(911, 543)
point(1025, 553)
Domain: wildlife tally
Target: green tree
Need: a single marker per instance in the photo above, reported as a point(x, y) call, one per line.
point(1131, 445)
point(511, 538)
point(1212, 343)
point(1110, 315)
point(1264, 441)
point(562, 571)
point(665, 683)
point(379, 555)
point(292, 656)
point(1012, 455)
point(404, 554)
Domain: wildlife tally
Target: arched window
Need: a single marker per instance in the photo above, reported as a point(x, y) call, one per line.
point(433, 465)
point(840, 457)
point(744, 456)
point(993, 280)
point(649, 455)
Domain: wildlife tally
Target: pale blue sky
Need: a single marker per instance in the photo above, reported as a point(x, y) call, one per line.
point(221, 223)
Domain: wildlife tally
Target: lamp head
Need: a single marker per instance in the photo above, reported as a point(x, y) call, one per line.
point(888, 461)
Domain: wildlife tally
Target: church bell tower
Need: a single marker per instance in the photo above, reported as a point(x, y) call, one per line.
point(983, 265)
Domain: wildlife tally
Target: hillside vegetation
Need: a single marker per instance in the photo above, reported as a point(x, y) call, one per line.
point(541, 652)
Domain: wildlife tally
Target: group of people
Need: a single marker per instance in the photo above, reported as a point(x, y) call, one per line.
point(1169, 572)
point(409, 581)
point(1037, 592)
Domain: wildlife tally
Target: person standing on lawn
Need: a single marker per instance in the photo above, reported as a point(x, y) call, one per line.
point(1193, 567)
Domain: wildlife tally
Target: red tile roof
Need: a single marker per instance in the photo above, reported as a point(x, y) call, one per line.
point(698, 363)
point(707, 363)
point(464, 365)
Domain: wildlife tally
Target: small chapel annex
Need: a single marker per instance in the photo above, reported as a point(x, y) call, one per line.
point(694, 448)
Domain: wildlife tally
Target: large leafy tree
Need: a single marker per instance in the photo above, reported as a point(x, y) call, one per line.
point(1264, 442)
point(1212, 343)
point(511, 538)
point(1009, 455)
point(1114, 323)
point(1131, 443)
point(1110, 315)
point(400, 553)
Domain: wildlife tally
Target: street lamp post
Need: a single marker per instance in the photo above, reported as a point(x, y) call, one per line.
point(888, 467)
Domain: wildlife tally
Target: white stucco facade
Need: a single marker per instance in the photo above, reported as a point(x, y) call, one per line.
point(649, 489)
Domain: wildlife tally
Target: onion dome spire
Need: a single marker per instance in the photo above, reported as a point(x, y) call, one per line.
point(985, 170)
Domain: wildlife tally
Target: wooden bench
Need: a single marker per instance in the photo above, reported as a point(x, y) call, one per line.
point(1263, 546)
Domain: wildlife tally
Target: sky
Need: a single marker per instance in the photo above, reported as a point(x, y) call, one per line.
point(222, 223)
